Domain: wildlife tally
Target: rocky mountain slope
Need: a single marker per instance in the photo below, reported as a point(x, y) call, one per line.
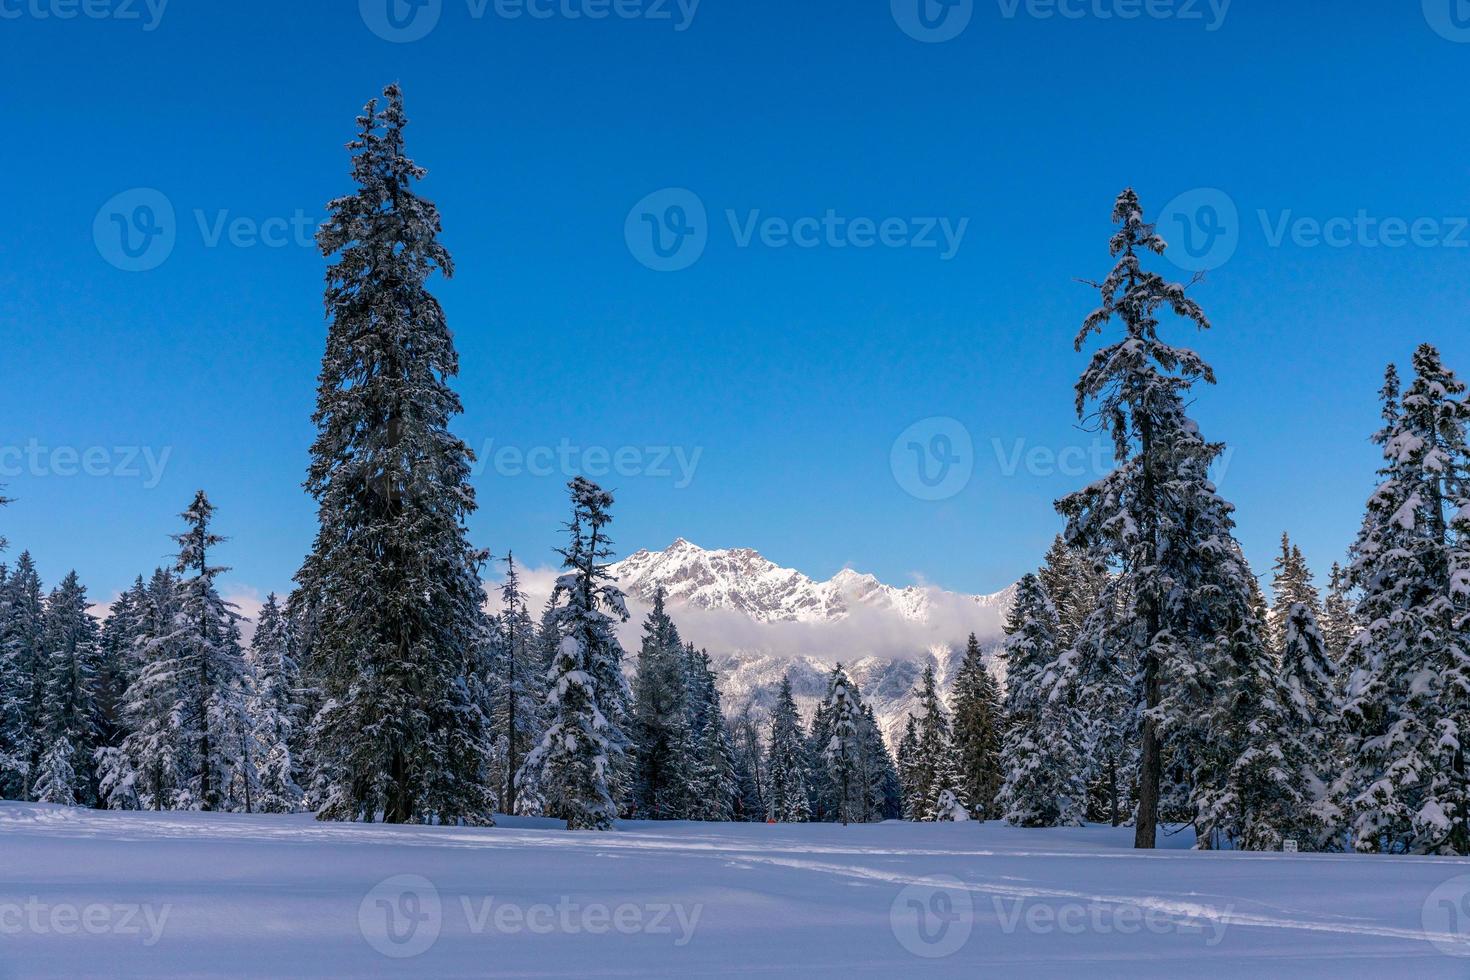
point(760, 621)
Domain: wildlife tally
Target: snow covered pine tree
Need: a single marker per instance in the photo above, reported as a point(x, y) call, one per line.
point(786, 765)
point(580, 761)
point(663, 747)
point(391, 587)
point(978, 730)
point(1406, 784)
point(1184, 596)
point(1043, 784)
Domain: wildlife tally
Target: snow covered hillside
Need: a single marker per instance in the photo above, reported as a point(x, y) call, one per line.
point(760, 620)
point(87, 893)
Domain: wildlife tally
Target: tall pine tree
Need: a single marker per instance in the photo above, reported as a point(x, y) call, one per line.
point(391, 586)
point(1181, 591)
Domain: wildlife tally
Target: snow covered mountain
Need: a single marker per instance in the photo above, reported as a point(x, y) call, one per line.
point(760, 621)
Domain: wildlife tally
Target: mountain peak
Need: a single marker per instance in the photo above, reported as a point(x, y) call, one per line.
point(744, 580)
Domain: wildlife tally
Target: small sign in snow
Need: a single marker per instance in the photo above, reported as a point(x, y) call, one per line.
point(1289, 846)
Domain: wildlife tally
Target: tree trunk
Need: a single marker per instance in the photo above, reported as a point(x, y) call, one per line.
point(1150, 763)
point(398, 809)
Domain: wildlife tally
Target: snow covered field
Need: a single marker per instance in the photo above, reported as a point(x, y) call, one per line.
point(85, 893)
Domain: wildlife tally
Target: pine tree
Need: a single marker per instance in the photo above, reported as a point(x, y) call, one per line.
point(579, 763)
point(934, 766)
point(57, 782)
point(391, 586)
point(1095, 674)
point(1406, 782)
point(1157, 520)
point(1312, 714)
point(908, 750)
point(148, 770)
point(69, 712)
point(843, 749)
point(15, 736)
point(978, 729)
point(208, 666)
point(882, 789)
point(1291, 585)
point(118, 666)
point(25, 659)
point(1254, 775)
point(275, 711)
point(713, 783)
point(787, 800)
point(750, 769)
point(1043, 784)
point(661, 726)
point(521, 689)
point(1338, 623)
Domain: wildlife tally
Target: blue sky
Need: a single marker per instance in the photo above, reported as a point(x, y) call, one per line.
point(782, 373)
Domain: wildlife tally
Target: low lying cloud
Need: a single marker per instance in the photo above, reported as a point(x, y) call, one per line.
point(866, 631)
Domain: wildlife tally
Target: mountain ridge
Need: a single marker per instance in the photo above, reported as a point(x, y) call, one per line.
point(762, 621)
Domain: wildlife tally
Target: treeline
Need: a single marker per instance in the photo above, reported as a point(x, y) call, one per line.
point(1148, 675)
point(161, 707)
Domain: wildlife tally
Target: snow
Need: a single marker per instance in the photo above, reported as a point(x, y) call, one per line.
point(763, 621)
point(743, 580)
point(87, 893)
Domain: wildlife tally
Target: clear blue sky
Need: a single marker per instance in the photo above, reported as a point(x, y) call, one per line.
point(790, 370)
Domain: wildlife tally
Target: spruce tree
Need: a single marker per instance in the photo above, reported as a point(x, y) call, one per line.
point(843, 749)
point(1291, 585)
point(978, 729)
point(1157, 519)
point(934, 767)
point(712, 784)
point(275, 711)
point(908, 750)
point(750, 769)
point(391, 586)
point(26, 662)
point(663, 745)
point(1255, 774)
point(521, 688)
point(148, 770)
point(15, 735)
point(208, 665)
point(787, 800)
point(70, 722)
point(1338, 623)
point(1405, 786)
point(57, 780)
point(579, 763)
point(1043, 784)
point(524, 694)
point(118, 666)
